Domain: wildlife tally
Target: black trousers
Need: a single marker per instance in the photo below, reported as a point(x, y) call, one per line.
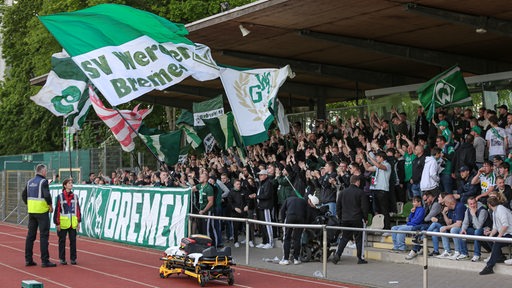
point(35, 221)
point(62, 243)
point(382, 199)
point(292, 234)
point(347, 235)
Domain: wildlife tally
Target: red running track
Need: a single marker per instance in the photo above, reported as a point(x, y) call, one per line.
point(107, 264)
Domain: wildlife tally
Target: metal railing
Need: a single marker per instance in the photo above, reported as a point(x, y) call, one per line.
point(365, 231)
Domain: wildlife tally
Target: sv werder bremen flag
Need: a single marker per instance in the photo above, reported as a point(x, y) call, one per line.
point(251, 93)
point(165, 145)
point(447, 89)
point(207, 110)
point(65, 91)
point(128, 52)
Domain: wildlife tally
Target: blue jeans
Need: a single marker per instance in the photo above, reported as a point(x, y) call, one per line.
point(434, 227)
point(415, 189)
point(446, 240)
point(332, 207)
point(446, 181)
point(464, 246)
point(399, 238)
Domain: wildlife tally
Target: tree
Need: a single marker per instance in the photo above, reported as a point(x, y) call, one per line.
point(27, 48)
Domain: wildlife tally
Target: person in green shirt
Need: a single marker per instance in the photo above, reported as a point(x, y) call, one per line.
point(205, 195)
point(407, 150)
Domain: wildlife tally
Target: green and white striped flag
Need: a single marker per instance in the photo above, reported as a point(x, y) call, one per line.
point(65, 91)
point(251, 93)
point(222, 130)
point(208, 109)
point(186, 122)
point(128, 52)
point(165, 145)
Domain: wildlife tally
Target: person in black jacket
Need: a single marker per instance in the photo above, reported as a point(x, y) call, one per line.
point(293, 211)
point(465, 155)
point(265, 203)
point(417, 169)
point(352, 206)
point(238, 199)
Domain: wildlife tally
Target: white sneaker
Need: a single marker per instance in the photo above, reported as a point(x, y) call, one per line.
point(487, 259)
point(296, 262)
point(508, 262)
point(242, 242)
point(251, 244)
point(284, 262)
point(351, 245)
point(237, 244)
point(267, 246)
point(444, 255)
point(475, 258)
point(411, 255)
point(386, 234)
point(260, 245)
point(454, 256)
point(462, 257)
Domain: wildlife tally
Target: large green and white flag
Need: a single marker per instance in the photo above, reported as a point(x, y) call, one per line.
point(65, 91)
point(222, 130)
point(251, 93)
point(208, 109)
point(447, 89)
point(128, 52)
point(186, 123)
point(165, 145)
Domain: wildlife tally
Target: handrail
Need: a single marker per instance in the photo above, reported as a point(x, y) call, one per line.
point(364, 230)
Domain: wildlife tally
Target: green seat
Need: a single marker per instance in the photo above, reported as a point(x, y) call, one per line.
point(406, 211)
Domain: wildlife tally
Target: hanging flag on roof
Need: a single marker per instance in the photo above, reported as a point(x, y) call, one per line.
point(123, 123)
point(128, 52)
point(251, 93)
point(208, 109)
point(222, 130)
point(65, 91)
point(447, 89)
point(166, 145)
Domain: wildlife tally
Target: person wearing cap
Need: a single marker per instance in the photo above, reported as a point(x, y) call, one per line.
point(265, 203)
point(445, 131)
point(479, 144)
point(379, 184)
point(502, 117)
point(497, 141)
point(465, 188)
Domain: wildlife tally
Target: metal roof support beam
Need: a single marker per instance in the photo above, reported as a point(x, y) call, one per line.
point(361, 75)
point(478, 22)
point(430, 57)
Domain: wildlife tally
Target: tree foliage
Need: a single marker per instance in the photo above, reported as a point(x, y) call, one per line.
point(27, 48)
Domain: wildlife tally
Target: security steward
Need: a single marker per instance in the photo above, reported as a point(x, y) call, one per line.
point(67, 218)
point(39, 203)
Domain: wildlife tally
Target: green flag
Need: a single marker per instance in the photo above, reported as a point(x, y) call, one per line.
point(165, 145)
point(186, 123)
point(208, 109)
point(65, 91)
point(447, 89)
point(128, 52)
point(222, 130)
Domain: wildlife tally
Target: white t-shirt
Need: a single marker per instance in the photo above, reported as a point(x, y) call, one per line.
point(496, 137)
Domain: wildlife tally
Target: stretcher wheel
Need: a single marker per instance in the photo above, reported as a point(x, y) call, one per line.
point(203, 278)
point(306, 254)
point(231, 278)
point(162, 275)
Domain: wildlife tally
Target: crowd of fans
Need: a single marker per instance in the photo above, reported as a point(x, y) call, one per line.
point(450, 168)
